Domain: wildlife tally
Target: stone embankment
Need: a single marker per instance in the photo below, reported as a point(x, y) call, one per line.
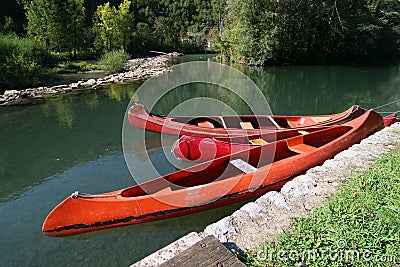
point(137, 69)
point(271, 214)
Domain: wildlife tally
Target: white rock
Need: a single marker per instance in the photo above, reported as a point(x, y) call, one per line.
point(90, 82)
point(11, 93)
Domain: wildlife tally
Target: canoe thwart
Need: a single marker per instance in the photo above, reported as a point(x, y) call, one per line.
point(302, 148)
point(246, 125)
point(320, 119)
point(303, 132)
point(243, 166)
point(258, 142)
point(205, 124)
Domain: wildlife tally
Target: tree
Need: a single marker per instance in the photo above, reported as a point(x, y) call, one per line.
point(58, 24)
point(104, 26)
point(37, 13)
point(166, 33)
point(218, 8)
point(113, 27)
point(8, 26)
point(76, 13)
point(143, 40)
point(310, 31)
point(124, 23)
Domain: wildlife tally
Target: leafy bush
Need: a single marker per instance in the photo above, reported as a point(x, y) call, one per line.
point(114, 61)
point(23, 62)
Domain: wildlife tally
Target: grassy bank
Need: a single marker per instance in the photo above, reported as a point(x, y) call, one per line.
point(75, 67)
point(358, 226)
point(27, 63)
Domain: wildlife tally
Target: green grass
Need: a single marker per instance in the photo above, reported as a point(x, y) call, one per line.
point(358, 226)
point(75, 67)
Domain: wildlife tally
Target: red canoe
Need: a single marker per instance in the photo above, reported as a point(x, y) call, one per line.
point(225, 126)
point(192, 148)
point(208, 185)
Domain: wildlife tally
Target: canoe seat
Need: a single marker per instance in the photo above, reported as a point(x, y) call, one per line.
point(302, 148)
point(243, 165)
point(303, 132)
point(275, 123)
point(205, 124)
point(320, 119)
point(258, 142)
point(246, 125)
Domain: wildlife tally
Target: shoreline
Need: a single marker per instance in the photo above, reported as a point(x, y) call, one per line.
point(271, 214)
point(144, 68)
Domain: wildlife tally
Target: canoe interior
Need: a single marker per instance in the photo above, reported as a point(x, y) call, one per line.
point(221, 168)
point(258, 122)
point(269, 137)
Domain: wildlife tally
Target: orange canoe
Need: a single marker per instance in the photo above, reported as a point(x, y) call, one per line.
point(208, 185)
point(228, 126)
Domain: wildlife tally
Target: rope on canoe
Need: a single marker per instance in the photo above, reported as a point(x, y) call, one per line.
point(387, 104)
point(389, 112)
point(78, 194)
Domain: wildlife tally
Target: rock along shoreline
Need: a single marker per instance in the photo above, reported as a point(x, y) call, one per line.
point(142, 68)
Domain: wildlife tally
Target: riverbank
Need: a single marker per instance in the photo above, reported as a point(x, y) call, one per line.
point(137, 69)
point(272, 214)
point(358, 225)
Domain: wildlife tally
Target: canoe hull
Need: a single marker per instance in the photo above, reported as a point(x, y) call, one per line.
point(228, 126)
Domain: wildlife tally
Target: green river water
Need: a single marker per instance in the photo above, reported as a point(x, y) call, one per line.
point(53, 146)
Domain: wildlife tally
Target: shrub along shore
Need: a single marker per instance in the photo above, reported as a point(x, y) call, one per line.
point(137, 69)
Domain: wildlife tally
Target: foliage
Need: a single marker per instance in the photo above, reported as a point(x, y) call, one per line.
point(104, 26)
point(7, 26)
point(125, 19)
point(46, 22)
point(62, 25)
point(361, 220)
point(12, 17)
point(169, 21)
point(143, 40)
point(23, 62)
point(113, 26)
point(114, 61)
point(314, 31)
point(58, 24)
point(76, 13)
point(246, 31)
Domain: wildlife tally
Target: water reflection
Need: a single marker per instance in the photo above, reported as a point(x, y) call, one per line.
point(314, 89)
point(116, 92)
point(61, 131)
